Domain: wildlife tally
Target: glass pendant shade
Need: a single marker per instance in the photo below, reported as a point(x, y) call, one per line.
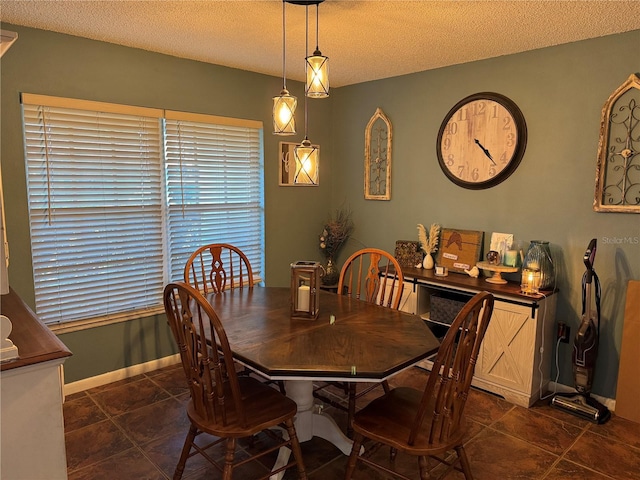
point(317, 85)
point(284, 109)
point(307, 158)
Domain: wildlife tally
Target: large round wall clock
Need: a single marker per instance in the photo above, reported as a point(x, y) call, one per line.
point(481, 140)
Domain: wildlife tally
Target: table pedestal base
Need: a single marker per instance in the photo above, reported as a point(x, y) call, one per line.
point(311, 424)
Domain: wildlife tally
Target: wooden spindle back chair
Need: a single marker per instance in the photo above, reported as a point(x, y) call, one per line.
point(374, 276)
point(371, 275)
point(429, 423)
point(216, 267)
point(222, 404)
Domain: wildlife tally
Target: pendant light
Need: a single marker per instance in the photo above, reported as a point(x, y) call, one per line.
point(306, 155)
point(284, 105)
point(317, 84)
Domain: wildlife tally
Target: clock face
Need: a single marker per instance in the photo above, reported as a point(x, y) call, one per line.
point(481, 140)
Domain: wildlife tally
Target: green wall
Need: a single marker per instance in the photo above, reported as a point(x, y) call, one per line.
point(560, 90)
point(53, 64)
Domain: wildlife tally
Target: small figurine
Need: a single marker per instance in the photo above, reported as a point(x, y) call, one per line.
point(494, 258)
point(474, 272)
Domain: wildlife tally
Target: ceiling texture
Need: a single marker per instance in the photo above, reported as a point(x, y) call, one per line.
point(365, 40)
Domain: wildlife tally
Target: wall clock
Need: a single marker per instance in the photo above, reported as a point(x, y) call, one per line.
point(481, 140)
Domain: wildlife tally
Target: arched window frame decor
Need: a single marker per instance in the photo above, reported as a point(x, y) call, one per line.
point(377, 170)
point(618, 167)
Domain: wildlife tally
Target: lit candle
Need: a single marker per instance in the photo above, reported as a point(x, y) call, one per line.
point(530, 281)
point(303, 298)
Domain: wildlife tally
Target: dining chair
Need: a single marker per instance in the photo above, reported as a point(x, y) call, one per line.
point(223, 404)
point(429, 423)
point(375, 276)
point(216, 267)
point(372, 275)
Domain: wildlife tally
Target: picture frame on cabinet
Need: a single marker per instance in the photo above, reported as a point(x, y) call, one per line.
point(459, 250)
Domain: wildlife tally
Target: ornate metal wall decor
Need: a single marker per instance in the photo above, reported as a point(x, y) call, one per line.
point(618, 167)
point(377, 157)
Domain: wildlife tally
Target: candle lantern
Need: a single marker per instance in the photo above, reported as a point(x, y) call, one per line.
point(531, 279)
point(305, 289)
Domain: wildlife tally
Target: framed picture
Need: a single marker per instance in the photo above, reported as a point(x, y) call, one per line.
point(501, 243)
point(293, 173)
point(459, 249)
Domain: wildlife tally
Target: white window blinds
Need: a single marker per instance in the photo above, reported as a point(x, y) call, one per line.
point(214, 187)
point(104, 205)
point(95, 210)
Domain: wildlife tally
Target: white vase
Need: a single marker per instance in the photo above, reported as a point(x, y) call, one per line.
point(427, 263)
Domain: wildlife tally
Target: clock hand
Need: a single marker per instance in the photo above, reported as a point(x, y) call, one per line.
point(486, 152)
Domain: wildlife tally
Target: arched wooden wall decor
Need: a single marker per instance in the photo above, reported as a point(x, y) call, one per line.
point(377, 157)
point(618, 167)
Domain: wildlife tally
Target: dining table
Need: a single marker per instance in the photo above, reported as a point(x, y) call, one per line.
point(351, 341)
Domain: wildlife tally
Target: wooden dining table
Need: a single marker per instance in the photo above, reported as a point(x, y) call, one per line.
point(351, 340)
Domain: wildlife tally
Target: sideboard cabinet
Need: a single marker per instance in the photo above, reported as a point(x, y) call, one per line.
point(31, 389)
point(515, 357)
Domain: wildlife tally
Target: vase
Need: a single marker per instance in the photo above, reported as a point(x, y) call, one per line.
point(539, 257)
point(427, 263)
point(331, 273)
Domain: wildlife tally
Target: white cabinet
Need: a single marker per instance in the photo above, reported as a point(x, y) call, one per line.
point(32, 434)
point(515, 357)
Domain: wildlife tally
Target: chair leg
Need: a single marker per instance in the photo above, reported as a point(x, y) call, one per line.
point(228, 458)
point(353, 457)
point(295, 447)
point(191, 435)
point(352, 409)
point(464, 462)
point(423, 465)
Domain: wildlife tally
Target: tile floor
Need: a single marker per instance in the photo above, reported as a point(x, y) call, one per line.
point(134, 429)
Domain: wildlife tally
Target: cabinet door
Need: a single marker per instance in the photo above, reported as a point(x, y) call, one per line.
point(507, 352)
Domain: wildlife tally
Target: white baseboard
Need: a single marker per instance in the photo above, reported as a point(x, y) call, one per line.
point(610, 403)
point(114, 376)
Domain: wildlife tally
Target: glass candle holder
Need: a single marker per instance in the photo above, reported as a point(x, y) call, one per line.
point(539, 257)
point(530, 284)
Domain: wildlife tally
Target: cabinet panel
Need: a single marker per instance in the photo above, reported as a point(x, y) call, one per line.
point(507, 351)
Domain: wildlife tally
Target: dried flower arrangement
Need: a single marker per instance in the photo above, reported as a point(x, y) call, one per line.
point(429, 243)
point(335, 233)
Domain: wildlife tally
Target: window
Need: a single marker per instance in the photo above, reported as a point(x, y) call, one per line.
point(120, 196)
point(214, 188)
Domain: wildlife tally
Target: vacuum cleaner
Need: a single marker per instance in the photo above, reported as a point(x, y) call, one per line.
point(585, 351)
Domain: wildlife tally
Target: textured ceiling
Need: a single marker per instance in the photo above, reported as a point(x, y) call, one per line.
point(365, 40)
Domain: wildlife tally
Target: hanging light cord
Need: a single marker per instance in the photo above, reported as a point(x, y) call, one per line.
point(317, 28)
point(284, 48)
point(306, 65)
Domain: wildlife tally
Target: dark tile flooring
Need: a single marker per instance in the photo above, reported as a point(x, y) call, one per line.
point(134, 429)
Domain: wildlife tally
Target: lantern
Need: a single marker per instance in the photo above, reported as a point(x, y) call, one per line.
point(305, 289)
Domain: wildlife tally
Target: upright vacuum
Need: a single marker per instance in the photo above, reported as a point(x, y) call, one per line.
point(585, 351)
